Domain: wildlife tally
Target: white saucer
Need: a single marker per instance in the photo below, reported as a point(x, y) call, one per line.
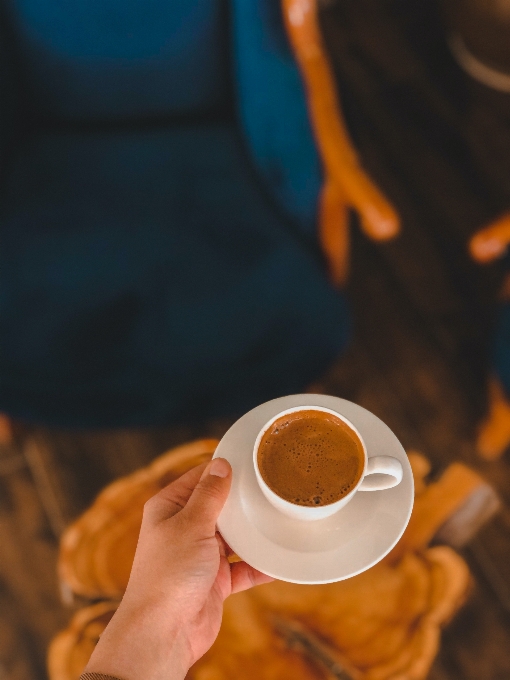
point(322, 551)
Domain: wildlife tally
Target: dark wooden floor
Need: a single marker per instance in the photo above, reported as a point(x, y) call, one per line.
point(423, 317)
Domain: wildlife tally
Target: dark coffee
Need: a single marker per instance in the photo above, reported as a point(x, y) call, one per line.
point(310, 458)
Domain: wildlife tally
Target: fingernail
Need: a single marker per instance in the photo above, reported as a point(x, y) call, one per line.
point(219, 467)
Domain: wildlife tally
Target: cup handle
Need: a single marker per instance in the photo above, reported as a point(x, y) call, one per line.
point(388, 473)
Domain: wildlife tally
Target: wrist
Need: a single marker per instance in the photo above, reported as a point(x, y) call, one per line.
point(141, 644)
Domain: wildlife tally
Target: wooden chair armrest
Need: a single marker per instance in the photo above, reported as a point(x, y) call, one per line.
point(450, 510)
point(492, 241)
point(341, 163)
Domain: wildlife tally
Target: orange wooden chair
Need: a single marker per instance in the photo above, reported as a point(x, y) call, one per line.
point(488, 244)
point(381, 625)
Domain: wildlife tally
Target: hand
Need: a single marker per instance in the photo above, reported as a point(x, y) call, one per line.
point(171, 612)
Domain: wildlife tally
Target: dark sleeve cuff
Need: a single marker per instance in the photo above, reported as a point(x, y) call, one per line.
point(97, 676)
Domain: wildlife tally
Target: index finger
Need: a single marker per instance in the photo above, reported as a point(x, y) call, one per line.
point(170, 500)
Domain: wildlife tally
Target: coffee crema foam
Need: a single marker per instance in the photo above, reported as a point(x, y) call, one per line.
point(310, 458)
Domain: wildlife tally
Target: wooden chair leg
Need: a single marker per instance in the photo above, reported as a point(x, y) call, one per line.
point(494, 433)
point(6, 430)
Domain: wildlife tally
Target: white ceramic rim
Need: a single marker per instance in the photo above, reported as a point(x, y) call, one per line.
point(308, 509)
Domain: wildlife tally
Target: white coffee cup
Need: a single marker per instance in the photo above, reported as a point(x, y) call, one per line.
point(379, 472)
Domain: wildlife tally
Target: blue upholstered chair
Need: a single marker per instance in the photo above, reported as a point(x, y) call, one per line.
point(159, 184)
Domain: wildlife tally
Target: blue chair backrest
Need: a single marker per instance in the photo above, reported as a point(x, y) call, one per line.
point(131, 59)
point(123, 58)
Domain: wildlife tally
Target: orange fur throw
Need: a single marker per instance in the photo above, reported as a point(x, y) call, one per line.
point(381, 625)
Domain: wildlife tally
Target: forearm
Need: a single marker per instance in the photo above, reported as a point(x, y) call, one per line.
point(135, 646)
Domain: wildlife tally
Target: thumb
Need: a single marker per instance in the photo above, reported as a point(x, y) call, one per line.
point(209, 496)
